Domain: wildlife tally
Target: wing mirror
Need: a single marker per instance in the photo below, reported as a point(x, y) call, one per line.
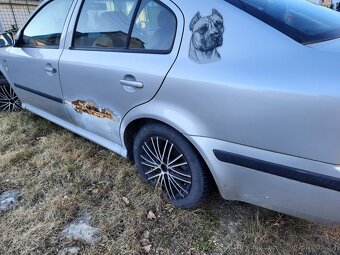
point(6, 40)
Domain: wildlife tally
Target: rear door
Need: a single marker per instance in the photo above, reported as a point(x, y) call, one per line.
point(33, 61)
point(120, 52)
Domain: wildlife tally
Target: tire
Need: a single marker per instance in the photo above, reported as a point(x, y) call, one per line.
point(165, 158)
point(9, 101)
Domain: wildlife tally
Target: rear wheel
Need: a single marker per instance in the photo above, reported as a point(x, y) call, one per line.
point(9, 101)
point(165, 159)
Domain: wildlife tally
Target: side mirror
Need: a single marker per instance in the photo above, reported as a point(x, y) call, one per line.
point(6, 40)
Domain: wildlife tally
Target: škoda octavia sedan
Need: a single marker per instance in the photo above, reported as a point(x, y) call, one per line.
point(243, 94)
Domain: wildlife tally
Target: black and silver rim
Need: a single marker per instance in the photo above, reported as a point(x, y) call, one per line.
point(165, 165)
point(9, 101)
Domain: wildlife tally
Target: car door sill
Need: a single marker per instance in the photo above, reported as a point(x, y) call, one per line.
point(90, 136)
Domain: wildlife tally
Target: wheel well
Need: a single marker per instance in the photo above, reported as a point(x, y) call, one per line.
point(3, 80)
point(132, 129)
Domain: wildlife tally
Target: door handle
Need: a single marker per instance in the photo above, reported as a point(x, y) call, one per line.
point(133, 84)
point(50, 69)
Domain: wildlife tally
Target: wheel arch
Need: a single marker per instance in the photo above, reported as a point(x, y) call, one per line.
point(3, 76)
point(134, 126)
point(131, 125)
point(165, 112)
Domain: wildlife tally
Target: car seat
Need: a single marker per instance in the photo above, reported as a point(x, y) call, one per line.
point(163, 37)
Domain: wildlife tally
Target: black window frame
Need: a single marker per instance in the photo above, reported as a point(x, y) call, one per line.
point(285, 29)
point(19, 42)
point(126, 48)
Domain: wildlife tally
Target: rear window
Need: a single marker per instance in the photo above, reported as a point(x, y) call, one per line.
point(301, 20)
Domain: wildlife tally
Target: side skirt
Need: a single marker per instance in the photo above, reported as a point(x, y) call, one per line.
point(120, 150)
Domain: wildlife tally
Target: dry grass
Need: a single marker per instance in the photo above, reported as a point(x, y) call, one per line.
point(62, 176)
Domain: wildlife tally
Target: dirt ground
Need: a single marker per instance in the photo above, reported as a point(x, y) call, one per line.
point(62, 176)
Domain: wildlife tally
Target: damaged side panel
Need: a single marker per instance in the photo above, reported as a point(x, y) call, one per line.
point(89, 116)
point(92, 109)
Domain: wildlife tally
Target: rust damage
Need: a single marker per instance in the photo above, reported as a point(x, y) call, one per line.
point(92, 109)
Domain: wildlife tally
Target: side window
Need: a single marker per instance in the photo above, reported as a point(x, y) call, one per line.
point(45, 29)
point(155, 27)
point(104, 24)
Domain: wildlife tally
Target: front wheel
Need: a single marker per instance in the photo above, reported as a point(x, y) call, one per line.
point(164, 158)
point(9, 101)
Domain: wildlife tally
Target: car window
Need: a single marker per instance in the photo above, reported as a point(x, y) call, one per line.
point(45, 29)
point(155, 27)
point(301, 20)
point(104, 24)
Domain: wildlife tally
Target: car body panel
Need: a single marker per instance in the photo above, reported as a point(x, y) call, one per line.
point(22, 63)
point(270, 94)
point(97, 75)
point(33, 84)
point(331, 45)
point(120, 150)
point(271, 191)
point(3, 63)
point(279, 119)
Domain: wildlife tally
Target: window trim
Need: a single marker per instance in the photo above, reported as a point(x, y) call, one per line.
point(285, 29)
point(21, 34)
point(132, 24)
point(126, 48)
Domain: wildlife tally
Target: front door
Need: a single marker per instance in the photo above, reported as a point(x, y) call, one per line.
point(120, 53)
point(33, 62)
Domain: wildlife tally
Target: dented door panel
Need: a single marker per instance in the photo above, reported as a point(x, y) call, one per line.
point(96, 84)
point(91, 117)
point(96, 98)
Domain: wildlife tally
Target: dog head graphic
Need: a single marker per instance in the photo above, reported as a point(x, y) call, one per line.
point(207, 36)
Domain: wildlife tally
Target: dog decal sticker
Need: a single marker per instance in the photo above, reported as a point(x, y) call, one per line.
point(207, 37)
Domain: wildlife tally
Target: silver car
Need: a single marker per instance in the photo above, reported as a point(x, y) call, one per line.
point(241, 94)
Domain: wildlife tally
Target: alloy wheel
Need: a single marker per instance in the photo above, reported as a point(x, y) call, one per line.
point(9, 101)
point(165, 166)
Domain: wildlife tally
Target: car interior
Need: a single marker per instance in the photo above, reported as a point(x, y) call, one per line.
point(106, 25)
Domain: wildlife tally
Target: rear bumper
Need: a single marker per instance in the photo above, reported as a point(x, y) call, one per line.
point(291, 185)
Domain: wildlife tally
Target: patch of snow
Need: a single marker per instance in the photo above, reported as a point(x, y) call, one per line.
point(9, 199)
point(69, 251)
point(233, 226)
point(80, 229)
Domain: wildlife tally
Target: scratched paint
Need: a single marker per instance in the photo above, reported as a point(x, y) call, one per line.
point(99, 120)
point(89, 108)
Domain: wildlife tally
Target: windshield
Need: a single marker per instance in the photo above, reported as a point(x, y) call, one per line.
point(301, 20)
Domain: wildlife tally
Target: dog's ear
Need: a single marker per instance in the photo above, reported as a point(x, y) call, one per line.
point(194, 20)
point(216, 12)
